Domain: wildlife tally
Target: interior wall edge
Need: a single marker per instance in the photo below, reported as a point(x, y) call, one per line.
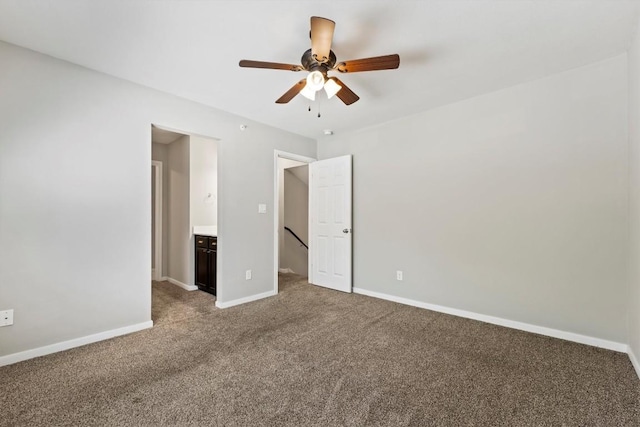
point(513, 324)
point(634, 360)
point(239, 301)
point(21, 356)
point(181, 285)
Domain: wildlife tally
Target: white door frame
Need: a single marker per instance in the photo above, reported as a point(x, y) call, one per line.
point(277, 154)
point(157, 209)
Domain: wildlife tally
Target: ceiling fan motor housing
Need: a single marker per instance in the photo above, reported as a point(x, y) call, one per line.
point(309, 63)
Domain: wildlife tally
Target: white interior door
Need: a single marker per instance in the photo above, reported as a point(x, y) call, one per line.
point(330, 223)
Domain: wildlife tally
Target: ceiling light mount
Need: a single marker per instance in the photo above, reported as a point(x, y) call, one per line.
point(310, 63)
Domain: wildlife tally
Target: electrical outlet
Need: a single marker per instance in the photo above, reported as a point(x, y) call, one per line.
point(262, 208)
point(6, 317)
point(247, 275)
point(399, 275)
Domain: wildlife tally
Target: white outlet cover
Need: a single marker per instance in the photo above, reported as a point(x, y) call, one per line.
point(6, 317)
point(399, 275)
point(262, 208)
point(247, 275)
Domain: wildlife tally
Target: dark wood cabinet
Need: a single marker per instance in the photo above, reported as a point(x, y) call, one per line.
point(206, 254)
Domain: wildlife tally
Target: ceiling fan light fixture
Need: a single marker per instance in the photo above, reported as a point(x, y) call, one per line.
point(308, 93)
point(320, 60)
point(315, 81)
point(331, 87)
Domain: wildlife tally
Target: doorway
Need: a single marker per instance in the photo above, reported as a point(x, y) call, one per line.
point(291, 207)
point(184, 202)
point(329, 214)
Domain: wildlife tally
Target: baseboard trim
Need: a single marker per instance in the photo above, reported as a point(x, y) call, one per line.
point(285, 270)
point(244, 300)
point(164, 278)
point(76, 342)
point(541, 330)
point(634, 361)
point(182, 285)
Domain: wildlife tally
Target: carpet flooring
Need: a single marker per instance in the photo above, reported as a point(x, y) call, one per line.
point(316, 357)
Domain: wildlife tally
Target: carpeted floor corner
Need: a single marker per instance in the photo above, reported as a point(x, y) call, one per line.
point(315, 357)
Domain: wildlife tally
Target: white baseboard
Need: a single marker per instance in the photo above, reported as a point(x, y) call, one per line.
point(244, 300)
point(76, 342)
point(182, 285)
point(555, 333)
point(285, 270)
point(634, 361)
point(164, 279)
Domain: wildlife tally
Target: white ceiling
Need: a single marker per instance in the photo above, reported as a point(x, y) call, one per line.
point(449, 50)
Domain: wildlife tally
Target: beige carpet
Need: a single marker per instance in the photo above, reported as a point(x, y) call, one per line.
point(311, 356)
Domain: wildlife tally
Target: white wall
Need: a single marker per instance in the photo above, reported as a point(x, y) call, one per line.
point(75, 232)
point(179, 241)
point(633, 296)
point(512, 204)
point(296, 217)
point(203, 181)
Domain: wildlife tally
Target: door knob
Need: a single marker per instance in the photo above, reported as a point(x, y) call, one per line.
point(346, 231)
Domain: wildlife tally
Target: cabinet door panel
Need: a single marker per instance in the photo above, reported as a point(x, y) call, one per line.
point(202, 267)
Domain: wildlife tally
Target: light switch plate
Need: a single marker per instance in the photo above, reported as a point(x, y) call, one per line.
point(6, 317)
point(262, 208)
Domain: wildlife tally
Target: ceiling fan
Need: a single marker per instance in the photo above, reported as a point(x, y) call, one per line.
point(319, 61)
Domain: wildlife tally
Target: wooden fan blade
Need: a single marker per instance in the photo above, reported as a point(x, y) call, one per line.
point(291, 93)
point(270, 65)
point(387, 62)
point(345, 94)
point(321, 37)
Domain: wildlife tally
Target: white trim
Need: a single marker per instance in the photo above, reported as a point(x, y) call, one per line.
point(244, 300)
point(277, 154)
point(158, 214)
point(164, 279)
point(76, 342)
point(555, 333)
point(285, 270)
point(182, 285)
point(634, 361)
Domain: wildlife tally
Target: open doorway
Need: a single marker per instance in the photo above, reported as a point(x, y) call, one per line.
point(291, 215)
point(329, 214)
point(184, 196)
